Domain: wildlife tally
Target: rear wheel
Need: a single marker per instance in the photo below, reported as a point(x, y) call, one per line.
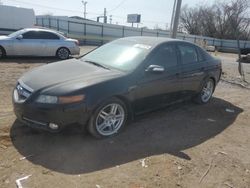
point(206, 92)
point(108, 119)
point(2, 52)
point(63, 53)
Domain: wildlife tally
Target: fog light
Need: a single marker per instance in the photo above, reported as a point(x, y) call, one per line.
point(53, 126)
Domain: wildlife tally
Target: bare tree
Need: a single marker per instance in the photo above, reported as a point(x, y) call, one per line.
point(221, 20)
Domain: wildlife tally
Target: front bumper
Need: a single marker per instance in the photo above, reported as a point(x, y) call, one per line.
point(39, 116)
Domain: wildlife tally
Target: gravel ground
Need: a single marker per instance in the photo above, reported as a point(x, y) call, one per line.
point(185, 145)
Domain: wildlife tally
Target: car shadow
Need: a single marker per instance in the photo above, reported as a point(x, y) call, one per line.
point(168, 131)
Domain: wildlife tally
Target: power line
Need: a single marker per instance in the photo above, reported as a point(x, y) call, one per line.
point(49, 7)
point(120, 4)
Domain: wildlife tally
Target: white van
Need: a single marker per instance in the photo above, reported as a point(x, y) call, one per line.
point(15, 18)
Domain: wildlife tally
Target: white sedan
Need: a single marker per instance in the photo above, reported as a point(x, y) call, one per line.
point(38, 42)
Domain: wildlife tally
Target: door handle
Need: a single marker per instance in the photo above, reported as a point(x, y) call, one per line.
point(197, 74)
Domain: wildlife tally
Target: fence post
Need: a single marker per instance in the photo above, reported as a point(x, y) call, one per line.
point(141, 31)
point(195, 39)
point(49, 23)
point(102, 34)
point(85, 40)
point(68, 27)
point(123, 31)
point(36, 21)
point(57, 23)
point(245, 44)
point(157, 33)
point(42, 23)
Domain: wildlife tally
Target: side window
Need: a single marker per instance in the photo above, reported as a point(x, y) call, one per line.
point(165, 56)
point(48, 35)
point(201, 55)
point(40, 35)
point(206, 56)
point(188, 54)
point(30, 35)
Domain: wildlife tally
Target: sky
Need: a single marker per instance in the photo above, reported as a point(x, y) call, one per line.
point(153, 12)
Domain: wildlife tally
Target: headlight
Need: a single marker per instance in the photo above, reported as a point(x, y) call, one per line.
point(47, 99)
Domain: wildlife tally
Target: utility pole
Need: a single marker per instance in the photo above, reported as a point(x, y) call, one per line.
point(110, 19)
point(105, 15)
point(176, 19)
point(172, 18)
point(85, 5)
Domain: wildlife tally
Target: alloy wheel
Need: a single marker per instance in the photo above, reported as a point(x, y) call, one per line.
point(207, 91)
point(110, 119)
point(63, 53)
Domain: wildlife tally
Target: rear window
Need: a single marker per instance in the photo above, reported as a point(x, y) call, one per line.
point(188, 54)
point(206, 55)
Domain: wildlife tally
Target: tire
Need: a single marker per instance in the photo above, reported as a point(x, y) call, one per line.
point(206, 92)
point(105, 123)
point(2, 52)
point(63, 53)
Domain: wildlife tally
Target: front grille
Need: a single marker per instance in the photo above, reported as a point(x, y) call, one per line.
point(22, 93)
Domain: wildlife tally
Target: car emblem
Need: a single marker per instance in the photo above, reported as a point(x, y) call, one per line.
point(21, 91)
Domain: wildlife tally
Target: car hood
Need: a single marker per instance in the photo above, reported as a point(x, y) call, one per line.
point(67, 76)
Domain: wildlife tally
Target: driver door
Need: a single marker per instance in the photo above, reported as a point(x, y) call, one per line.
point(30, 45)
point(156, 89)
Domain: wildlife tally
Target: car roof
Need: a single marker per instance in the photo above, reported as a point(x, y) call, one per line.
point(41, 29)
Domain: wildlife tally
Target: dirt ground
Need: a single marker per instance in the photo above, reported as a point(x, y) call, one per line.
point(185, 145)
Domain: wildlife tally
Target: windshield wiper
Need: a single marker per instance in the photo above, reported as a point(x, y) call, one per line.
point(96, 64)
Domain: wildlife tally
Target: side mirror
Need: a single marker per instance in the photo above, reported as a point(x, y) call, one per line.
point(19, 37)
point(155, 69)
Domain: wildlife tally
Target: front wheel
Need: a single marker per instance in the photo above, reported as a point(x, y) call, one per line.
point(206, 92)
point(108, 119)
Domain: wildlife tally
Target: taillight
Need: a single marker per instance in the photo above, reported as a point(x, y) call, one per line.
point(77, 42)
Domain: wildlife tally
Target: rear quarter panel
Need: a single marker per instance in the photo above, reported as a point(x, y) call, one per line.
point(214, 69)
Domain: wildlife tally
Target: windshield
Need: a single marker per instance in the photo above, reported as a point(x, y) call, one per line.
point(120, 54)
point(15, 34)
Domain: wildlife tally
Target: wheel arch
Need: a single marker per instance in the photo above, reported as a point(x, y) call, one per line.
point(4, 51)
point(128, 105)
point(214, 80)
point(119, 97)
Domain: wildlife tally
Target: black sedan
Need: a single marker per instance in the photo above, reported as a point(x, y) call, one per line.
point(116, 81)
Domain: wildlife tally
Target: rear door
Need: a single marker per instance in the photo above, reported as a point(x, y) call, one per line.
point(193, 68)
point(51, 41)
point(156, 89)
